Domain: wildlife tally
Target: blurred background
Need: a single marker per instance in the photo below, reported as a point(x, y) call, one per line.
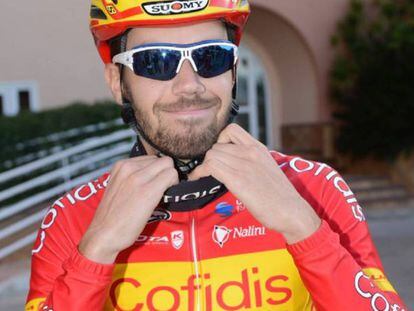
point(332, 81)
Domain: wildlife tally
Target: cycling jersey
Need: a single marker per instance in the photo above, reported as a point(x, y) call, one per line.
point(217, 257)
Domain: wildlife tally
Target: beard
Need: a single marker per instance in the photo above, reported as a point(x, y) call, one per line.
point(183, 139)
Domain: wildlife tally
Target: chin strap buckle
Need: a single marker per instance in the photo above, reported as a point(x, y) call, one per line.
point(185, 168)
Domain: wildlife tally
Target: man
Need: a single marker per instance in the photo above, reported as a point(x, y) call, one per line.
point(202, 216)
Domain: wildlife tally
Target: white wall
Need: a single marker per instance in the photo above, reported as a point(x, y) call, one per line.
point(49, 42)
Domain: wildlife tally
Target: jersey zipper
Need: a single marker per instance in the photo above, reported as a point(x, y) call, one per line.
point(196, 262)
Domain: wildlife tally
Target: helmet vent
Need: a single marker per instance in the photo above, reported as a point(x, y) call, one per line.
point(97, 13)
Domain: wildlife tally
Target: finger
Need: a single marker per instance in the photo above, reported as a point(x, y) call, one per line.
point(161, 182)
point(232, 164)
point(255, 153)
point(235, 134)
point(199, 172)
point(153, 191)
point(136, 173)
point(153, 169)
point(216, 168)
point(122, 170)
point(235, 162)
point(238, 151)
point(129, 166)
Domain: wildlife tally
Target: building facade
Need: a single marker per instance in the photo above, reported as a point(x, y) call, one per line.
point(48, 59)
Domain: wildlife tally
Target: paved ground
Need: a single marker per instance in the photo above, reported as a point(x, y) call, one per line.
point(393, 232)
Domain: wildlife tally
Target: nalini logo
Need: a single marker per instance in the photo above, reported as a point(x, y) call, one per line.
point(224, 209)
point(174, 7)
point(221, 235)
point(177, 239)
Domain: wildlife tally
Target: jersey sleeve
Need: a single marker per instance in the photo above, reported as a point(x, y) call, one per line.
point(61, 277)
point(339, 263)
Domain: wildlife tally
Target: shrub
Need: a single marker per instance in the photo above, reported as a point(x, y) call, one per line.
point(18, 131)
point(373, 79)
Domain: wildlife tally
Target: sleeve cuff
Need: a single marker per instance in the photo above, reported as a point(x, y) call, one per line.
point(321, 236)
point(80, 263)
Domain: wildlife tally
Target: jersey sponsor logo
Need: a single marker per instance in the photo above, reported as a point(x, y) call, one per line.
point(240, 206)
point(177, 239)
point(159, 215)
point(149, 239)
point(82, 193)
point(191, 196)
point(367, 289)
point(47, 222)
point(35, 304)
point(300, 166)
point(174, 7)
point(224, 209)
point(248, 290)
point(378, 277)
point(111, 9)
point(222, 234)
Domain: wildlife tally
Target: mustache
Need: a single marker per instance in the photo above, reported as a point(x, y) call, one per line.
point(184, 103)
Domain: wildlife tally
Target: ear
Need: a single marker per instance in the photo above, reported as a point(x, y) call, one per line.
point(113, 80)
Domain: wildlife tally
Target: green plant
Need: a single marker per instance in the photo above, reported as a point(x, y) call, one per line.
point(18, 131)
point(372, 79)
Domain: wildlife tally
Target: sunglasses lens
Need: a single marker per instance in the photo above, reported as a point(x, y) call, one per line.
point(212, 61)
point(158, 64)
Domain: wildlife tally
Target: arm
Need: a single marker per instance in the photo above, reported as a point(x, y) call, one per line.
point(78, 242)
point(339, 263)
point(61, 277)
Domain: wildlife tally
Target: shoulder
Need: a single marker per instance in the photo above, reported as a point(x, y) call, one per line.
point(74, 210)
point(298, 168)
point(67, 219)
point(88, 194)
point(320, 184)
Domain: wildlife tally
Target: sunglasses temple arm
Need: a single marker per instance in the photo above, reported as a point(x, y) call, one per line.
point(123, 59)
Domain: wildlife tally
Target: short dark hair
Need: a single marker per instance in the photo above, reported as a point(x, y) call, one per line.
point(118, 44)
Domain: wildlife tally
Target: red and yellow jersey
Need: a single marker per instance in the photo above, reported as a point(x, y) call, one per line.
point(217, 257)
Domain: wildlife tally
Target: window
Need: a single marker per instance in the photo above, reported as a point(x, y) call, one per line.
point(24, 100)
point(252, 96)
point(18, 96)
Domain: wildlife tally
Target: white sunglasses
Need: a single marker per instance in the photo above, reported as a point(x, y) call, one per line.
point(163, 61)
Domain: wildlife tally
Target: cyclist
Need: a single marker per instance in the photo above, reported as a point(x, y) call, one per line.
point(202, 216)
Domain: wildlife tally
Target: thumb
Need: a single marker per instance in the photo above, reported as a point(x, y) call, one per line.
point(199, 172)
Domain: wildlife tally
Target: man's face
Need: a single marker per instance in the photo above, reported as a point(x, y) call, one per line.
point(185, 115)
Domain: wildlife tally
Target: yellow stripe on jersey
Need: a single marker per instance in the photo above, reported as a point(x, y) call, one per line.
point(378, 277)
point(35, 304)
point(248, 281)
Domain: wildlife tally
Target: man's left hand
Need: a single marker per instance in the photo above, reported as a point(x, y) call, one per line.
point(246, 167)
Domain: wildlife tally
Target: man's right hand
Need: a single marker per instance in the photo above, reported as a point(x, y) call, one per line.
point(135, 188)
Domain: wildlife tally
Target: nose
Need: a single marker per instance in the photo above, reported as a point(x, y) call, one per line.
point(187, 82)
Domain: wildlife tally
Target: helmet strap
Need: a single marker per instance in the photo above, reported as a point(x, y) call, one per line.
point(234, 105)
